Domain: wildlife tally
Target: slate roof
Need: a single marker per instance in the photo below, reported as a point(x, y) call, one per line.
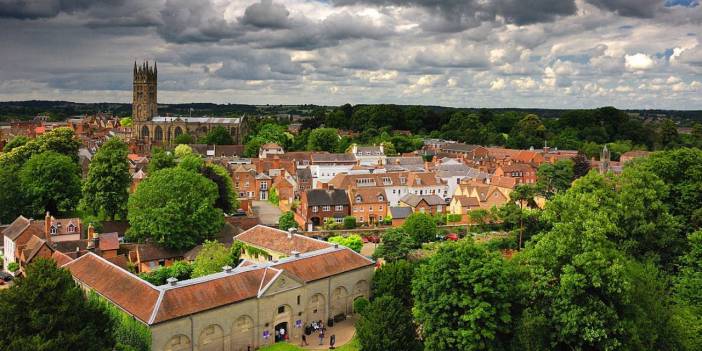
point(211, 120)
point(325, 158)
point(459, 147)
point(323, 197)
point(400, 212)
point(304, 173)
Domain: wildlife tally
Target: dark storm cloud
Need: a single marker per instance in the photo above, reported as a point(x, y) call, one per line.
point(194, 21)
point(630, 8)
point(266, 14)
point(269, 65)
point(32, 9)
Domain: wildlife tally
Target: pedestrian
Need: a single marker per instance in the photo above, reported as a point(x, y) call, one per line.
point(304, 340)
point(321, 336)
point(282, 334)
point(332, 341)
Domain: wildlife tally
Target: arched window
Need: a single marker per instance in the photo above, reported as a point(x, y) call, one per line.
point(178, 131)
point(211, 338)
point(381, 198)
point(158, 134)
point(144, 132)
point(358, 199)
point(243, 334)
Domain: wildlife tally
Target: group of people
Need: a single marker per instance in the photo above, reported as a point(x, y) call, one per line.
point(319, 328)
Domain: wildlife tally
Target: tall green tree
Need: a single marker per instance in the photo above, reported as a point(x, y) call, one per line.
point(462, 298)
point(51, 182)
point(226, 196)
point(386, 324)
point(47, 310)
point(287, 221)
point(395, 279)
point(175, 208)
point(396, 245)
point(554, 178)
point(323, 139)
point(12, 197)
point(530, 131)
point(105, 191)
point(581, 165)
point(160, 159)
point(60, 140)
point(420, 227)
point(217, 136)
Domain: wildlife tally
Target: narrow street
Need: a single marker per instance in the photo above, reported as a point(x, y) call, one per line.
point(267, 212)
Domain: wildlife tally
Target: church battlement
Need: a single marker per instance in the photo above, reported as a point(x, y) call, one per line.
point(144, 96)
point(145, 74)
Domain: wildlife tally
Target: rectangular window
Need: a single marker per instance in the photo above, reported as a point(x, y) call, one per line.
point(281, 309)
point(326, 208)
point(338, 220)
point(339, 207)
point(315, 209)
point(298, 299)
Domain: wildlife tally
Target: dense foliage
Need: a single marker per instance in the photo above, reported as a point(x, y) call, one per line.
point(47, 310)
point(175, 208)
point(50, 182)
point(287, 221)
point(386, 324)
point(105, 188)
point(353, 242)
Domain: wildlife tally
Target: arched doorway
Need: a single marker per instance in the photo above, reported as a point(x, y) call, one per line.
point(316, 308)
point(144, 132)
point(316, 221)
point(338, 301)
point(282, 323)
point(243, 334)
point(179, 342)
point(178, 132)
point(211, 338)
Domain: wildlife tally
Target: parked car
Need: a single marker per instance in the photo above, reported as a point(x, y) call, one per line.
point(371, 239)
point(4, 276)
point(452, 237)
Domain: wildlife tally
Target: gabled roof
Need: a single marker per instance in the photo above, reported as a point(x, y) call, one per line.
point(368, 195)
point(32, 247)
point(60, 258)
point(414, 200)
point(16, 228)
point(517, 167)
point(304, 173)
point(135, 296)
point(280, 241)
point(459, 147)
point(323, 197)
point(466, 201)
point(324, 263)
point(346, 158)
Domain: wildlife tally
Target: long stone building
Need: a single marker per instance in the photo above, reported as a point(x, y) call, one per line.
point(239, 309)
point(150, 129)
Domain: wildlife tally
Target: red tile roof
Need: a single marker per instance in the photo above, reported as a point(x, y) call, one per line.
point(278, 240)
point(124, 289)
point(108, 241)
point(323, 265)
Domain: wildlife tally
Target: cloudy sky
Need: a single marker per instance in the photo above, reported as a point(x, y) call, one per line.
point(468, 53)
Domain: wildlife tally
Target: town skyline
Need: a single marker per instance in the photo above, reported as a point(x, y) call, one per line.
point(580, 54)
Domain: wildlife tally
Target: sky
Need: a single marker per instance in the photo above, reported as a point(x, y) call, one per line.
point(470, 53)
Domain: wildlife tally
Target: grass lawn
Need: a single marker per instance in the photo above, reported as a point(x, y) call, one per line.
point(351, 346)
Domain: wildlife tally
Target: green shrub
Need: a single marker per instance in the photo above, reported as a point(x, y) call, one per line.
point(360, 304)
point(453, 218)
point(129, 333)
point(349, 222)
point(13, 267)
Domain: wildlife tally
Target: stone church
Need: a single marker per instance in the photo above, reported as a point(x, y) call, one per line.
point(150, 129)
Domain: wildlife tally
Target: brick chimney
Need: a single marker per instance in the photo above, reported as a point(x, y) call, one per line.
point(47, 225)
point(92, 235)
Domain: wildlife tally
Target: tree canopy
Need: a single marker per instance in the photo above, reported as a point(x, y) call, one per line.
point(217, 136)
point(105, 190)
point(386, 324)
point(420, 227)
point(47, 310)
point(175, 208)
point(211, 258)
point(51, 182)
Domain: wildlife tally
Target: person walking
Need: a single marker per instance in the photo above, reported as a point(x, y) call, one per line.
point(321, 336)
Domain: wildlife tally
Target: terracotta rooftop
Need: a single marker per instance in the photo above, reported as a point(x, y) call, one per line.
point(278, 240)
point(109, 241)
point(60, 258)
point(325, 263)
point(414, 200)
point(19, 225)
point(135, 296)
point(466, 201)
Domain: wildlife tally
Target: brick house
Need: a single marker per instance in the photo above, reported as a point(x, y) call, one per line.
point(523, 173)
point(429, 204)
point(369, 205)
point(251, 185)
point(316, 205)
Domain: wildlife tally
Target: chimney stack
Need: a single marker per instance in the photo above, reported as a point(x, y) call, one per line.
point(227, 269)
point(172, 281)
point(291, 231)
point(47, 225)
point(92, 235)
point(295, 253)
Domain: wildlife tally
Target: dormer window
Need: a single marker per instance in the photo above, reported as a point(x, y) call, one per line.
point(71, 228)
point(358, 199)
point(381, 198)
point(53, 230)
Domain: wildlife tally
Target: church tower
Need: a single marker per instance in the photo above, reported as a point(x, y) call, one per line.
point(144, 105)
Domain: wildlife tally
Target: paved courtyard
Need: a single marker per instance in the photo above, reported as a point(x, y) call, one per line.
point(267, 212)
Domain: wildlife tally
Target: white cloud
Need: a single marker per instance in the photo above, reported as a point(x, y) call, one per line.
point(497, 84)
point(638, 62)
